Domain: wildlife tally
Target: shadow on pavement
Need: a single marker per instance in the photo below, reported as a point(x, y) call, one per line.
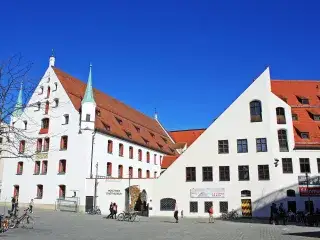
point(305, 234)
point(168, 221)
point(260, 221)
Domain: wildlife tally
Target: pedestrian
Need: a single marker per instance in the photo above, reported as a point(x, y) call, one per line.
point(176, 212)
point(282, 213)
point(211, 220)
point(31, 206)
point(115, 209)
point(181, 213)
point(110, 210)
point(16, 206)
point(13, 204)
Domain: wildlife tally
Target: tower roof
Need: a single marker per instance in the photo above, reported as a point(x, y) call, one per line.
point(88, 96)
point(18, 108)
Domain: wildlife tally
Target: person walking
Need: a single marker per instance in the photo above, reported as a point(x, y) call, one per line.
point(211, 220)
point(13, 204)
point(115, 208)
point(110, 210)
point(31, 206)
point(176, 212)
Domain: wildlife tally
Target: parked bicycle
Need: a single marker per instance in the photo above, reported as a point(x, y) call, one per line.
point(230, 215)
point(128, 216)
point(4, 223)
point(95, 211)
point(25, 220)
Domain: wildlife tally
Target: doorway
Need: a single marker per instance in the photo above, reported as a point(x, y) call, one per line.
point(89, 203)
point(306, 206)
point(246, 207)
point(292, 205)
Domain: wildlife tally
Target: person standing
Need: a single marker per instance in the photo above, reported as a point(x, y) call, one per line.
point(31, 206)
point(176, 212)
point(211, 220)
point(115, 207)
point(13, 204)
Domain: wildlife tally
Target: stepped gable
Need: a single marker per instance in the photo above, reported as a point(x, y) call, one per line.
point(118, 119)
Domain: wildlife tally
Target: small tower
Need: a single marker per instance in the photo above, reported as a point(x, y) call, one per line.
point(18, 108)
point(88, 106)
point(52, 59)
point(155, 114)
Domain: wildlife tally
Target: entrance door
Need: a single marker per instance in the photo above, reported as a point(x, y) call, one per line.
point(292, 205)
point(89, 203)
point(246, 207)
point(306, 206)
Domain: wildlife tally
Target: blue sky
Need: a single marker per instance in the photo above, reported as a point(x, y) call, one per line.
point(189, 59)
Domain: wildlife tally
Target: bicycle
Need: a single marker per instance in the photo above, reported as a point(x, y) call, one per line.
point(4, 223)
point(95, 211)
point(24, 219)
point(127, 216)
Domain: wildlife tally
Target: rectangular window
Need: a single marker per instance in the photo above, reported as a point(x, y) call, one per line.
point(62, 191)
point(110, 146)
point(207, 174)
point(120, 171)
point(39, 191)
point(139, 173)
point(223, 207)
point(244, 174)
point(190, 174)
point(224, 173)
point(131, 152)
point(20, 168)
point(294, 117)
point(120, 149)
point(39, 145)
point(22, 146)
point(64, 143)
point(304, 165)
point(36, 168)
point(287, 165)
point(44, 167)
point(87, 117)
point(261, 144)
point(207, 206)
point(130, 172)
point(318, 163)
point(62, 166)
point(155, 159)
point(242, 145)
point(193, 207)
point(16, 190)
point(223, 146)
point(155, 175)
point(148, 174)
point(109, 169)
point(46, 144)
point(263, 172)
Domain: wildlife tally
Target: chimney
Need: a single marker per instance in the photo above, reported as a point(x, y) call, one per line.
point(52, 59)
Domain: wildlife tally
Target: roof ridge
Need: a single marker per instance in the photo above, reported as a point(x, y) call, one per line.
point(295, 80)
point(192, 129)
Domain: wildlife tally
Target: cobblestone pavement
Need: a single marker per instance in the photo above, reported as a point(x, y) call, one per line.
point(61, 225)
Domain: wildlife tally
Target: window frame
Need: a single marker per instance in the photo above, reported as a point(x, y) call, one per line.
point(207, 173)
point(242, 171)
point(193, 209)
point(260, 143)
point(223, 146)
point(304, 165)
point(266, 175)
point(242, 145)
point(287, 166)
point(39, 191)
point(283, 140)
point(255, 111)
point(224, 173)
point(191, 175)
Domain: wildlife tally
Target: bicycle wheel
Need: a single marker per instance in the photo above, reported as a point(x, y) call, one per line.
point(120, 217)
point(132, 217)
point(98, 211)
point(27, 222)
point(12, 222)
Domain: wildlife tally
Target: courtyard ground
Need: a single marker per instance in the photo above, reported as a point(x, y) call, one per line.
point(52, 225)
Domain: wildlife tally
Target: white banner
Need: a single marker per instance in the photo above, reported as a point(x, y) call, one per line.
point(207, 193)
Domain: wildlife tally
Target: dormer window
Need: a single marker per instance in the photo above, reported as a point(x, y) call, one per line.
point(137, 128)
point(98, 112)
point(316, 117)
point(294, 117)
point(119, 120)
point(146, 141)
point(55, 86)
point(129, 135)
point(160, 146)
point(304, 135)
point(106, 126)
point(165, 140)
point(303, 100)
point(56, 102)
point(152, 135)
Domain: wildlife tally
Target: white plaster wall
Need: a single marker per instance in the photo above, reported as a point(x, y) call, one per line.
point(235, 124)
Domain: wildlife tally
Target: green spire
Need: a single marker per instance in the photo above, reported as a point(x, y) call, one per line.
point(17, 112)
point(88, 96)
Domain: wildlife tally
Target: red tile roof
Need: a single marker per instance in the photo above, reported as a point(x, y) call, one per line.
point(167, 161)
point(118, 119)
point(291, 91)
point(186, 136)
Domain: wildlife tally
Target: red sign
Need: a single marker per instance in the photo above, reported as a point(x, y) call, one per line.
point(313, 191)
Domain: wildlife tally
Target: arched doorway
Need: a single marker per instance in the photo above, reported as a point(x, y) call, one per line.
point(246, 206)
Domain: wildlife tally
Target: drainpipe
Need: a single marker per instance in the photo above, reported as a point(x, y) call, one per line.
point(92, 143)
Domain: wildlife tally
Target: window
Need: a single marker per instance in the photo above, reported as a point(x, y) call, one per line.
point(152, 135)
point(120, 149)
point(224, 173)
point(66, 119)
point(155, 174)
point(64, 143)
point(1, 139)
point(318, 163)
point(44, 167)
point(155, 159)
point(106, 126)
point(281, 117)
point(55, 86)
point(46, 144)
point(120, 171)
point(304, 135)
point(207, 206)
point(16, 189)
point(167, 204)
point(283, 142)
point(145, 141)
point(316, 117)
point(261, 144)
point(304, 165)
point(164, 139)
point(46, 109)
point(190, 174)
point(245, 193)
point(45, 123)
point(119, 120)
point(148, 157)
point(41, 90)
point(62, 191)
point(255, 111)
point(242, 145)
point(39, 191)
point(129, 135)
point(193, 207)
point(87, 117)
point(62, 167)
point(20, 168)
point(25, 125)
point(223, 207)
point(291, 193)
point(38, 106)
point(263, 172)
point(303, 100)
point(137, 128)
point(22, 146)
point(148, 174)
point(36, 168)
point(294, 117)
point(244, 174)
point(287, 165)
point(48, 92)
point(131, 152)
point(110, 146)
point(160, 160)
point(139, 155)
point(139, 173)
point(130, 172)
point(223, 146)
point(159, 145)
point(109, 169)
point(56, 102)
point(207, 174)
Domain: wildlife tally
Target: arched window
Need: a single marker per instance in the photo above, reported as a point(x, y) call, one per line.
point(109, 169)
point(46, 110)
point(281, 117)
point(39, 191)
point(62, 191)
point(110, 146)
point(131, 152)
point(25, 125)
point(291, 193)
point(120, 149)
point(283, 142)
point(148, 174)
point(245, 193)
point(45, 123)
point(255, 111)
point(140, 155)
point(48, 92)
point(22, 146)
point(56, 86)
point(148, 157)
point(139, 173)
point(167, 204)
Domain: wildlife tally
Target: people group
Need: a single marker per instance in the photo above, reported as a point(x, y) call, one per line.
point(113, 208)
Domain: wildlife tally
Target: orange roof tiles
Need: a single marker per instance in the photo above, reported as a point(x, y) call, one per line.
point(167, 161)
point(291, 91)
point(118, 119)
point(186, 136)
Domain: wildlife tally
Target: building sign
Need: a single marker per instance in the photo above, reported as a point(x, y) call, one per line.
point(313, 191)
point(313, 180)
point(207, 193)
point(114, 192)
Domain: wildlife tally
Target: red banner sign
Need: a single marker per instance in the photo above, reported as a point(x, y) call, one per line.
point(313, 191)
